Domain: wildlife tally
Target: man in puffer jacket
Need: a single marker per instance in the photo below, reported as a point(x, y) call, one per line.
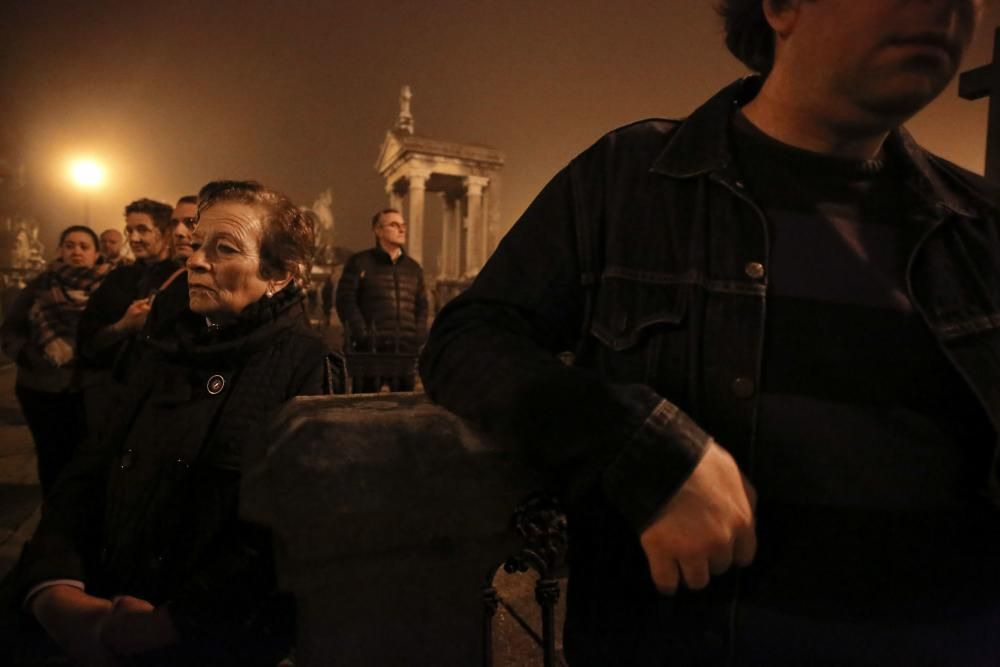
point(381, 297)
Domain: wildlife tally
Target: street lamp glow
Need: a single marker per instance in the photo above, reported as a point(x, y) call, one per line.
point(87, 173)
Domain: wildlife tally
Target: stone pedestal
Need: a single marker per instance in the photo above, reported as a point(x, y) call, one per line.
point(388, 514)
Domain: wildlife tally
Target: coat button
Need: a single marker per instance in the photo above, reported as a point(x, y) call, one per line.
point(127, 459)
point(215, 384)
point(754, 269)
point(743, 387)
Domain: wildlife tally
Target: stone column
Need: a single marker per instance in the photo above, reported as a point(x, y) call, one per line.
point(475, 251)
point(492, 213)
point(454, 266)
point(415, 217)
point(447, 232)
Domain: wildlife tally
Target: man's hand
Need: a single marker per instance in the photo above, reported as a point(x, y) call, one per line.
point(136, 626)
point(706, 527)
point(134, 318)
point(75, 622)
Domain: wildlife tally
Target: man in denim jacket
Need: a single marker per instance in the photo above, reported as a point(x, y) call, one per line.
point(782, 295)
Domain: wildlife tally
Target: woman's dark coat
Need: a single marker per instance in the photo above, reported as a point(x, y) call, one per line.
point(151, 510)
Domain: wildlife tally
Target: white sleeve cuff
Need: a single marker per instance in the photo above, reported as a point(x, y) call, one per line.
point(38, 588)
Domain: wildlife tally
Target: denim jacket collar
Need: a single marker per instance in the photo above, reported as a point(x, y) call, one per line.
point(700, 146)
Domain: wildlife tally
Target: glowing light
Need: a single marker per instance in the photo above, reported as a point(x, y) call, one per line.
point(87, 174)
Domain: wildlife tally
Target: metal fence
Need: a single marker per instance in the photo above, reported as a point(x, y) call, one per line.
point(541, 524)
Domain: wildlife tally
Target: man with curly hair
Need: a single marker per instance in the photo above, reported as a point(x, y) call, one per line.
point(776, 441)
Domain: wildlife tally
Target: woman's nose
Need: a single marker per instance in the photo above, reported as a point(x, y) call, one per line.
point(196, 262)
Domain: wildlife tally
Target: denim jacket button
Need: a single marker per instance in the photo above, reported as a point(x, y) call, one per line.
point(754, 269)
point(743, 387)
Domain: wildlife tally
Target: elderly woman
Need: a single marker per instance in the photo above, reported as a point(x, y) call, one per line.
point(141, 551)
point(39, 334)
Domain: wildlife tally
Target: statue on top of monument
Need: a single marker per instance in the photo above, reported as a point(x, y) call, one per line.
point(405, 121)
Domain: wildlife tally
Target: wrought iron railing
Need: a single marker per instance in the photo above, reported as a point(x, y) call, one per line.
point(541, 524)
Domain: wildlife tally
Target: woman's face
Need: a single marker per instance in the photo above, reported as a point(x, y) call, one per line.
point(224, 269)
point(78, 249)
point(144, 238)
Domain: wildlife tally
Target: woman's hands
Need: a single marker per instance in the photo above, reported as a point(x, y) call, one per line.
point(93, 631)
point(75, 621)
point(136, 626)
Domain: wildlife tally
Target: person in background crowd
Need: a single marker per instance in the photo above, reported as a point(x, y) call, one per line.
point(118, 310)
point(173, 576)
point(786, 320)
point(326, 297)
point(175, 288)
point(39, 334)
point(182, 224)
point(381, 298)
point(113, 249)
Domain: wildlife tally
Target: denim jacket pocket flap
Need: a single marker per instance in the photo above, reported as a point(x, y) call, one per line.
point(625, 307)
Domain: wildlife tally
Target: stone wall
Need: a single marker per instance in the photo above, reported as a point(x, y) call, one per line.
point(389, 514)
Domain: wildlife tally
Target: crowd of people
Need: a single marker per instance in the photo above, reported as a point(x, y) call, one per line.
point(141, 381)
point(775, 437)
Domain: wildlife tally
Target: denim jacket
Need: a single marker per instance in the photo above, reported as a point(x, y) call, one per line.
point(646, 256)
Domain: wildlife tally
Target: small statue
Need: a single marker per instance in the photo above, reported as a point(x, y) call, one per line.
point(405, 121)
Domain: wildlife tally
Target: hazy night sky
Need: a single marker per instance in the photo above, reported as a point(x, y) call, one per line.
point(299, 94)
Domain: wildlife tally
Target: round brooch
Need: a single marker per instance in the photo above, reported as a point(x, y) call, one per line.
point(215, 384)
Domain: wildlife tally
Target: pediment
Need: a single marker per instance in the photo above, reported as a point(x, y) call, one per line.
point(397, 147)
point(389, 152)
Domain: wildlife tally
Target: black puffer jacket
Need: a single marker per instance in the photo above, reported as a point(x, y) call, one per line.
point(151, 510)
point(383, 304)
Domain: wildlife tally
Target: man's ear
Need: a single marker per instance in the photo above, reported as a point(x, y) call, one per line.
point(782, 15)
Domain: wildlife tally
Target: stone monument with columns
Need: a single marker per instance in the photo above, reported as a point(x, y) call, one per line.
point(465, 179)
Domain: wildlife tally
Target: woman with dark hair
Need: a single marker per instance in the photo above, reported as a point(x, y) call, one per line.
point(39, 334)
point(172, 576)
